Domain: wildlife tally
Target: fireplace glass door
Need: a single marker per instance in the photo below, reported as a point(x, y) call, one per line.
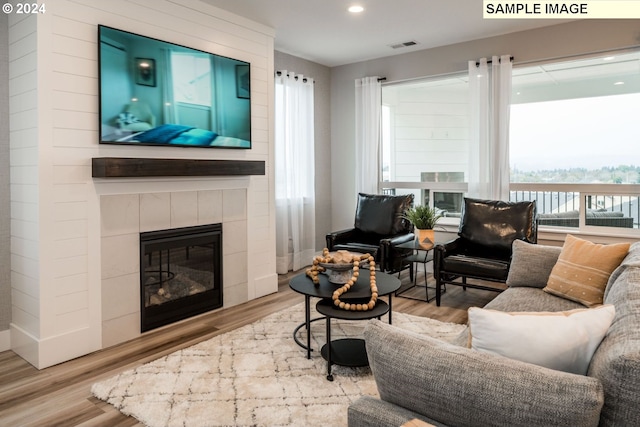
point(180, 274)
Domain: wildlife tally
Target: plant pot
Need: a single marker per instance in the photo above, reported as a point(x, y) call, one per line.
point(426, 236)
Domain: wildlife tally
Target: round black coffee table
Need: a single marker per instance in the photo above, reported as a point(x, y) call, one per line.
point(302, 284)
point(347, 351)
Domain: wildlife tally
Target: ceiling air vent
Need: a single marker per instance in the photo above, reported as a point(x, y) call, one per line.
point(403, 44)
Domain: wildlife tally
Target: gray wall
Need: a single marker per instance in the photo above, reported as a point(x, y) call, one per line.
point(5, 214)
point(557, 41)
point(322, 126)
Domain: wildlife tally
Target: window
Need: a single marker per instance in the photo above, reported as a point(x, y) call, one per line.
point(425, 128)
point(573, 141)
point(575, 122)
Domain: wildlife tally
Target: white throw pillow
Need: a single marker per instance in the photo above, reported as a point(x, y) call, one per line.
point(564, 341)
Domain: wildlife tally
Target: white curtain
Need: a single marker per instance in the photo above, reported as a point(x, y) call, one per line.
point(490, 89)
point(368, 111)
point(294, 172)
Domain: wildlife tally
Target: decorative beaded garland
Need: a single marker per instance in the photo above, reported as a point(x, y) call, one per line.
point(316, 268)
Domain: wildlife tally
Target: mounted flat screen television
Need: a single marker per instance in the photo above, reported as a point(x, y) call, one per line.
point(162, 94)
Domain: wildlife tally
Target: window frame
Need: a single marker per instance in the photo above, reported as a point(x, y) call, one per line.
point(583, 190)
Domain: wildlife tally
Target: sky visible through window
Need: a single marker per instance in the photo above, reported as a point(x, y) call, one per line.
point(589, 133)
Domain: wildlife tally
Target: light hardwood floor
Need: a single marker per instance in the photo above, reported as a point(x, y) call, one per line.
point(60, 395)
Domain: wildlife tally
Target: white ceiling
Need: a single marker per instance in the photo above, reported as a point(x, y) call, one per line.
point(323, 31)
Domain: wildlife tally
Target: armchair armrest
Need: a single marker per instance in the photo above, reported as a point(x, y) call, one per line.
point(392, 257)
point(341, 236)
point(440, 251)
point(396, 240)
point(451, 246)
point(458, 386)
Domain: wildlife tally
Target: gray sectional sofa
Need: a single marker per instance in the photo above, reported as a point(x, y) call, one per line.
point(448, 384)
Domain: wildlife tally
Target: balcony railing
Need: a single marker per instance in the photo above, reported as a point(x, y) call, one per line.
point(560, 205)
point(613, 205)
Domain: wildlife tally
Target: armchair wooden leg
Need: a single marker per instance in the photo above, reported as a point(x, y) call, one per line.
point(464, 281)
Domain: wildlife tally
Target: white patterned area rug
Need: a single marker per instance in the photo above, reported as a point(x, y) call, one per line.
point(253, 376)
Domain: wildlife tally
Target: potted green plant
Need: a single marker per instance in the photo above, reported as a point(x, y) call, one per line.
point(424, 219)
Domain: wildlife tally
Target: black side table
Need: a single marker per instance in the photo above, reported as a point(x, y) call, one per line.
point(422, 253)
point(347, 351)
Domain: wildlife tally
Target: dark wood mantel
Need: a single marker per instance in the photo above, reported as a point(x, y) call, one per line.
point(128, 167)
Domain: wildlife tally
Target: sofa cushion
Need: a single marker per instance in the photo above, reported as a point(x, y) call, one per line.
point(530, 299)
point(476, 266)
point(461, 387)
point(616, 363)
point(567, 214)
point(531, 264)
point(591, 213)
point(368, 411)
point(563, 340)
point(381, 214)
point(632, 260)
point(583, 269)
point(604, 214)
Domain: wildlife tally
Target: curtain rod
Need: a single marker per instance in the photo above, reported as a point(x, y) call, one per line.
point(490, 61)
point(304, 80)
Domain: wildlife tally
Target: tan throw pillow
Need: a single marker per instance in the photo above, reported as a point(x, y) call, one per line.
point(583, 269)
point(564, 341)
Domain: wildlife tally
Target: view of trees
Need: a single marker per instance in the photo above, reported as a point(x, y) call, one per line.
point(607, 175)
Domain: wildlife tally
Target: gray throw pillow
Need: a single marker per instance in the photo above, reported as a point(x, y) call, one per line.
point(461, 387)
point(531, 264)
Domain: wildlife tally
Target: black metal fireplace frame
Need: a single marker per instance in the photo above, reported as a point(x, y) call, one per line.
point(152, 317)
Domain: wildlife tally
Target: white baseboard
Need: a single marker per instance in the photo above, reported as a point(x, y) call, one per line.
point(266, 285)
point(50, 351)
point(5, 340)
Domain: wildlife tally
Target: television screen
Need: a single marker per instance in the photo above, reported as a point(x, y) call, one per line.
point(159, 93)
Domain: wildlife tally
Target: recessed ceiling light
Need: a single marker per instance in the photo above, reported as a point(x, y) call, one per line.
point(618, 83)
point(355, 9)
point(609, 58)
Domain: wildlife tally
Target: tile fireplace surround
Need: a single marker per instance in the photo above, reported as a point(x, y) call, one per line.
point(124, 216)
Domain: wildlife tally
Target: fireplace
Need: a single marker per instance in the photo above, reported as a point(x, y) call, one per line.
point(180, 274)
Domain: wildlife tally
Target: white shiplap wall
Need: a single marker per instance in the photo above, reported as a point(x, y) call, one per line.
point(430, 131)
point(24, 176)
point(5, 198)
point(54, 134)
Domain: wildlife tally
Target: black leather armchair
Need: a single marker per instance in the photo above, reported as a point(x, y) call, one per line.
point(379, 226)
point(483, 247)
